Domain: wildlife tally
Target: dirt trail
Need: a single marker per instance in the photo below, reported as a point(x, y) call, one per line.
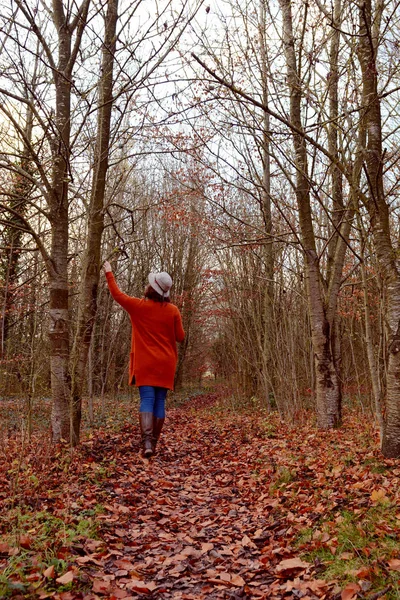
point(232, 506)
point(195, 521)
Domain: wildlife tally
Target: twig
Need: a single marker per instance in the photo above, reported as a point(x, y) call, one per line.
point(379, 594)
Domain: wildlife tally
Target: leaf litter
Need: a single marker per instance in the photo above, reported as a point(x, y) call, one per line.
point(232, 506)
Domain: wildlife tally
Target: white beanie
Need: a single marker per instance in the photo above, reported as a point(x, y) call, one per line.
point(161, 282)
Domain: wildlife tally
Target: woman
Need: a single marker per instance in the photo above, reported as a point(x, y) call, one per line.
point(156, 327)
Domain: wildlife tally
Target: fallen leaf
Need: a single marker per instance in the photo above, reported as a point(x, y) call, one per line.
point(350, 591)
point(394, 564)
point(291, 564)
point(118, 593)
point(363, 572)
point(101, 587)
point(246, 541)
point(206, 547)
point(190, 551)
point(237, 580)
point(379, 495)
point(25, 541)
point(66, 578)
point(82, 560)
point(50, 572)
point(43, 594)
point(140, 586)
point(120, 532)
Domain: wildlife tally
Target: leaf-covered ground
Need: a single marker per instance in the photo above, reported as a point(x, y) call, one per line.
point(233, 506)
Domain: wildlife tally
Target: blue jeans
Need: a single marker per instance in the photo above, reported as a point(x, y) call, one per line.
point(152, 399)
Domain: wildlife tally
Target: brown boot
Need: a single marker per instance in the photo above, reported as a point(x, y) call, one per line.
point(157, 427)
point(146, 428)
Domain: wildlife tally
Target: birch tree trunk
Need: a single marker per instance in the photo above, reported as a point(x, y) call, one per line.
point(58, 214)
point(58, 278)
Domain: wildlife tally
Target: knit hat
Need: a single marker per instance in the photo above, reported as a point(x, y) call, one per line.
point(161, 282)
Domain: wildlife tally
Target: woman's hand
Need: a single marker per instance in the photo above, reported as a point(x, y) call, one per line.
point(107, 267)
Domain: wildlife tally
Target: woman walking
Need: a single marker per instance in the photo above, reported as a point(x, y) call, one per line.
point(156, 327)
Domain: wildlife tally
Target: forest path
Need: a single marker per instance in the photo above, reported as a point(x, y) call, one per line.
point(232, 506)
point(207, 517)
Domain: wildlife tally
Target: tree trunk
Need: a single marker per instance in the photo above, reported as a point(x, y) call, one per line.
point(267, 374)
point(87, 305)
point(13, 236)
point(328, 392)
point(59, 213)
point(58, 277)
point(378, 211)
point(190, 280)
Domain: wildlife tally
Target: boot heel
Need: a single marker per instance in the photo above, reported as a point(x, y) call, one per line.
point(146, 427)
point(157, 427)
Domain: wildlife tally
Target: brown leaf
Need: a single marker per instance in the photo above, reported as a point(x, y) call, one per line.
point(350, 591)
point(379, 495)
point(50, 572)
point(246, 541)
point(93, 545)
point(364, 572)
point(118, 593)
point(121, 573)
point(82, 560)
point(140, 586)
point(394, 564)
point(25, 541)
point(190, 551)
point(101, 587)
point(66, 578)
point(291, 564)
point(120, 532)
point(43, 594)
point(237, 580)
point(122, 563)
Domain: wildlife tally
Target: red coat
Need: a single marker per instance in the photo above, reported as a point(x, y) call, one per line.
point(156, 327)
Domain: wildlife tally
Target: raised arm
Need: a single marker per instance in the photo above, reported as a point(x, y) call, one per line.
point(127, 302)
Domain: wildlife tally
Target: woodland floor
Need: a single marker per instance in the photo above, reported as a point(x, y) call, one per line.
point(232, 506)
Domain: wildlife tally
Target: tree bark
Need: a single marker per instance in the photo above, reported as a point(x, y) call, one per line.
point(266, 375)
point(13, 236)
point(58, 277)
point(328, 393)
point(87, 304)
point(59, 217)
point(378, 211)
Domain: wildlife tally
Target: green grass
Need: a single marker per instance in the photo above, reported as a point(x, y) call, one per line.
point(284, 476)
point(42, 540)
point(362, 543)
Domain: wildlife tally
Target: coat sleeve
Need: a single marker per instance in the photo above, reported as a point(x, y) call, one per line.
point(127, 302)
point(179, 331)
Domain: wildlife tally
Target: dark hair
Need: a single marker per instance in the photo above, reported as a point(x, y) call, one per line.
point(151, 294)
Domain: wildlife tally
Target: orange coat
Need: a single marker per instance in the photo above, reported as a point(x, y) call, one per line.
point(156, 327)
